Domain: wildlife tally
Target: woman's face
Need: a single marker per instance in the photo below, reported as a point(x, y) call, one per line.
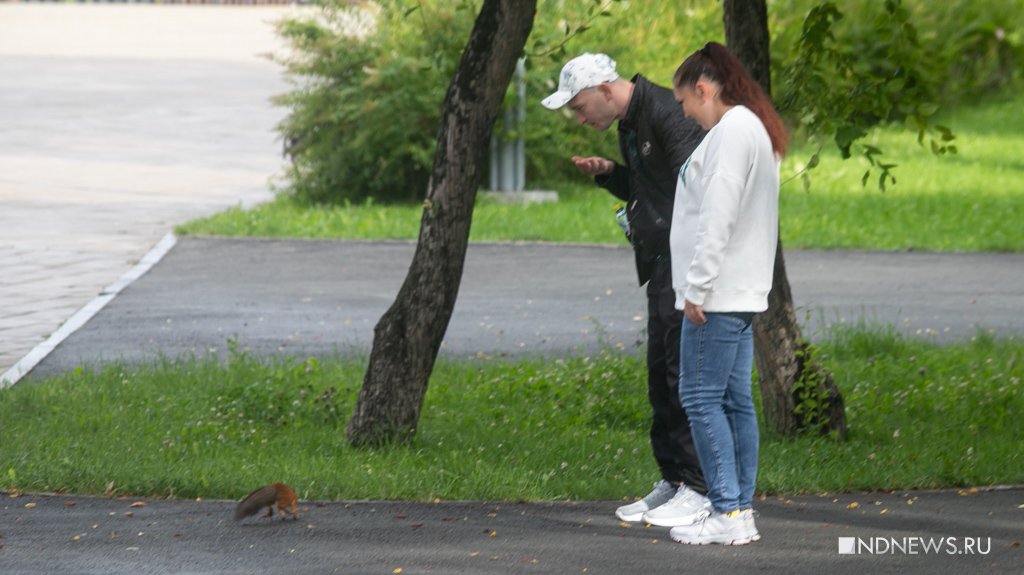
point(695, 102)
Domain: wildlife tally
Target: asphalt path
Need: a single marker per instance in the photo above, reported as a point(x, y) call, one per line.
point(928, 533)
point(322, 298)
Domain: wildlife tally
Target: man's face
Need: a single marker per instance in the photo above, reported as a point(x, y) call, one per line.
point(593, 107)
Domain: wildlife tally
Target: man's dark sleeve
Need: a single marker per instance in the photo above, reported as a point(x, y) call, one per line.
point(616, 182)
point(679, 136)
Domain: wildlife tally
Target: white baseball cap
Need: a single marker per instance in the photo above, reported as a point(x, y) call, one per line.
point(580, 73)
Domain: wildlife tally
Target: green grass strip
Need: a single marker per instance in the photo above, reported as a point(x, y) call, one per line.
point(920, 416)
point(969, 202)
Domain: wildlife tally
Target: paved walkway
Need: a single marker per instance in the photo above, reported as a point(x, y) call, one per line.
point(115, 130)
point(905, 533)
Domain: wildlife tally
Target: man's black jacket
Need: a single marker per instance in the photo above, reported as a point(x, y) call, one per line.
point(655, 140)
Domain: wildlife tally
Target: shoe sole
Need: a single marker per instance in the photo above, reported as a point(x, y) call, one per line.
point(741, 541)
point(630, 518)
point(675, 521)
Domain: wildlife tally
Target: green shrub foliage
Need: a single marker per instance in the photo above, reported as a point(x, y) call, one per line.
point(364, 111)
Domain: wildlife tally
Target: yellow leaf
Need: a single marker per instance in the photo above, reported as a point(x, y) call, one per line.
point(853, 505)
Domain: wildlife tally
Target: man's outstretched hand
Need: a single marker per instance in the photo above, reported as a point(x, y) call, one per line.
point(593, 166)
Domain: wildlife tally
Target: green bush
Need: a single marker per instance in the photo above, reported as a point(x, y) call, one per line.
point(363, 115)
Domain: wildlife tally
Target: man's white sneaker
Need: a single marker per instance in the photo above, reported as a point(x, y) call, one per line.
point(663, 491)
point(722, 528)
point(686, 507)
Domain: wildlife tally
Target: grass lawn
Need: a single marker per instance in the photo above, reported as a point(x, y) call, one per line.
point(971, 201)
point(919, 416)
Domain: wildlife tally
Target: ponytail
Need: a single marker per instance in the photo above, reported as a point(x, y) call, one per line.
point(716, 63)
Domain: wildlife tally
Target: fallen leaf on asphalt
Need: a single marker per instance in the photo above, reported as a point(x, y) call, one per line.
point(76, 538)
point(69, 504)
point(417, 525)
point(1015, 544)
point(853, 505)
point(30, 506)
point(884, 511)
point(138, 504)
point(397, 571)
point(971, 491)
point(129, 514)
point(625, 525)
point(474, 554)
point(1020, 506)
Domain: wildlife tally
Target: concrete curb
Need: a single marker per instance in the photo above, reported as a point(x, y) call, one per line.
point(76, 321)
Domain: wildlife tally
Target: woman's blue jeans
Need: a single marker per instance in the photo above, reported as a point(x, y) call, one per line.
point(714, 388)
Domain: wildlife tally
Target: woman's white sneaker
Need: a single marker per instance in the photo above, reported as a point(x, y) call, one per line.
point(663, 491)
point(748, 523)
point(686, 507)
point(721, 528)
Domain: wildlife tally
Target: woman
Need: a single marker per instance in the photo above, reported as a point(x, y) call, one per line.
point(723, 238)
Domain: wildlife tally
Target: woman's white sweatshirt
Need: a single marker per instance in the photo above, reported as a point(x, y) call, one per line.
point(725, 222)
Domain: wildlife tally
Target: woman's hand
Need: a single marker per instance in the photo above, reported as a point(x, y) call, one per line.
point(694, 313)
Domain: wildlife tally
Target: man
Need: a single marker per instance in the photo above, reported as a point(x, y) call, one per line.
point(655, 139)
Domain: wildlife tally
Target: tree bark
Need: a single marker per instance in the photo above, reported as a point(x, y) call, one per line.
point(408, 336)
point(796, 392)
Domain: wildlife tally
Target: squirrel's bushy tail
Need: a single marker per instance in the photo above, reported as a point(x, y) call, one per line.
point(262, 497)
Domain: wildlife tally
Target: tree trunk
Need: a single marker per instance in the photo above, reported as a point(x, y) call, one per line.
point(796, 392)
point(408, 336)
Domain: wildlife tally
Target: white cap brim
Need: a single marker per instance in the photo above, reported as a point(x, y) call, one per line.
point(556, 100)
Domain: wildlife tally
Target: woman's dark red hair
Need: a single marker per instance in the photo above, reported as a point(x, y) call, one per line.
point(716, 63)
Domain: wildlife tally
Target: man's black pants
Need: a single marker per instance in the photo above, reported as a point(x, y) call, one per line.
point(671, 439)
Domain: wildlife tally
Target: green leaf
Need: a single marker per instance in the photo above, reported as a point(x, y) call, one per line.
point(927, 109)
point(845, 136)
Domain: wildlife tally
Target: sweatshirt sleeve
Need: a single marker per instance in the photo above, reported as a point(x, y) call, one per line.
point(728, 164)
